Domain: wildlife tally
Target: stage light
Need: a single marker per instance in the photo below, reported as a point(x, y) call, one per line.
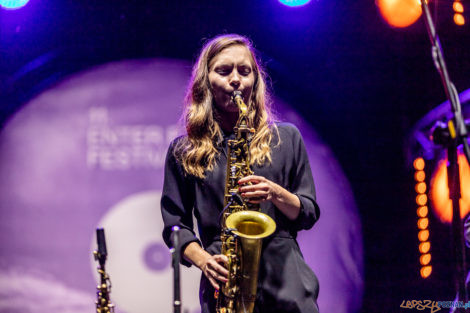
point(294, 3)
point(458, 7)
point(439, 191)
point(459, 19)
point(418, 164)
point(423, 223)
point(425, 259)
point(421, 199)
point(420, 176)
point(420, 187)
point(426, 271)
point(423, 235)
point(424, 247)
point(13, 4)
point(422, 211)
point(399, 13)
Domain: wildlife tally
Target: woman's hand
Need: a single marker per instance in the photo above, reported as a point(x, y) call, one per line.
point(211, 265)
point(214, 270)
point(258, 189)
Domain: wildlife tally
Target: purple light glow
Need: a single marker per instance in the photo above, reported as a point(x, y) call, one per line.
point(156, 257)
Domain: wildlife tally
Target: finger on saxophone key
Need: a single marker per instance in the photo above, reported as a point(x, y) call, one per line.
point(221, 269)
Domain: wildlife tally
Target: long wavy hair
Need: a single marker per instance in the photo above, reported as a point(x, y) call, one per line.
point(197, 151)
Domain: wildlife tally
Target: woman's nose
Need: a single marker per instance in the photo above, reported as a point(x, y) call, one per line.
point(235, 80)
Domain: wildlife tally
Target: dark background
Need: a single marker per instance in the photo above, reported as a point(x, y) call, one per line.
point(360, 83)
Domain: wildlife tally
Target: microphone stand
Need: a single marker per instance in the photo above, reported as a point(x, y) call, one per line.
point(176, 257)
point(451, 136)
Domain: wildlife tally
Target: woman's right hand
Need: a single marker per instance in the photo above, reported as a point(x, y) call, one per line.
point(214, 269)
point(213, 266)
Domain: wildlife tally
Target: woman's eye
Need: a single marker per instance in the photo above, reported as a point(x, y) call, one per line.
point(245, 71)
point(223, 71)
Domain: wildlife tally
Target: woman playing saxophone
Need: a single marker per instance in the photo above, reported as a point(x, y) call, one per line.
point(282, 184)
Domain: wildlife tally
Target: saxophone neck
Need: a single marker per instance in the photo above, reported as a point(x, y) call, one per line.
point(243, 124)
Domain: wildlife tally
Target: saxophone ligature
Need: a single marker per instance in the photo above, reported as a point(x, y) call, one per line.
point(243, 226)
point(103, 303)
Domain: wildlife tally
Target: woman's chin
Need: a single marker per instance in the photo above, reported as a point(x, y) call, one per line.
point(230, 108)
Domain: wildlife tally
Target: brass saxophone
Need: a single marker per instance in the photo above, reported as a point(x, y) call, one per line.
point(243, 226)
point(103, 303)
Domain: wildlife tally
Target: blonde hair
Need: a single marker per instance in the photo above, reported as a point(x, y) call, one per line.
point(197, 151)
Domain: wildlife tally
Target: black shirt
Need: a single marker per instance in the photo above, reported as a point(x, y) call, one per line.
point(184, 195)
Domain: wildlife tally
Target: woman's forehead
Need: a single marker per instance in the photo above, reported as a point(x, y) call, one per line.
point(233, 53)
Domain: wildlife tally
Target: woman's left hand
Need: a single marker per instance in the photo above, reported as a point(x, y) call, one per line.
point(257, 189)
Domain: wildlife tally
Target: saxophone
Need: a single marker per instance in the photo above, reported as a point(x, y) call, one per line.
point(243, 226)
point(103, 304)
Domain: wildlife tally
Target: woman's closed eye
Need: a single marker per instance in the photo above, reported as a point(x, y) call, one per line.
point(224, 70)
point(244, 70)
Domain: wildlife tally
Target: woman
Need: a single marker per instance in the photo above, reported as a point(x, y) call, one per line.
point(282, 182)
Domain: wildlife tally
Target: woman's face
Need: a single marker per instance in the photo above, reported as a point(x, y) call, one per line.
point(231, 70)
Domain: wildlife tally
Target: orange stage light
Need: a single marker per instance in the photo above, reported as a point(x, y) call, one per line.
point(425, 259)
point(424, 247)
point(420, 187)
point(440, 192)
point(423, 223)
point(421, 199)
point(426, 271)
point(423, 235)
point(418, 164)
point(420, 176)
point(459, 19)
point(422, 211)
point(458, 7)
point(399, 13)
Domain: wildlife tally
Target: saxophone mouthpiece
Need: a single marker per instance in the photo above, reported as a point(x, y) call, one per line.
point(238, 100)
point(237, 96)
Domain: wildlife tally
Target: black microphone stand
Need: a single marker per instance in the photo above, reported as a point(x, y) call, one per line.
point(176, 257)
point(451, 136)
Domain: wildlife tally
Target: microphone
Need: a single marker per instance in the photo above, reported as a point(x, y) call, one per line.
point(174, 237)
point(101, 242)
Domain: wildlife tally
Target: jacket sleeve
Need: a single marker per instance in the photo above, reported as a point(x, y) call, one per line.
point(177, 204)
point(302, 184)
